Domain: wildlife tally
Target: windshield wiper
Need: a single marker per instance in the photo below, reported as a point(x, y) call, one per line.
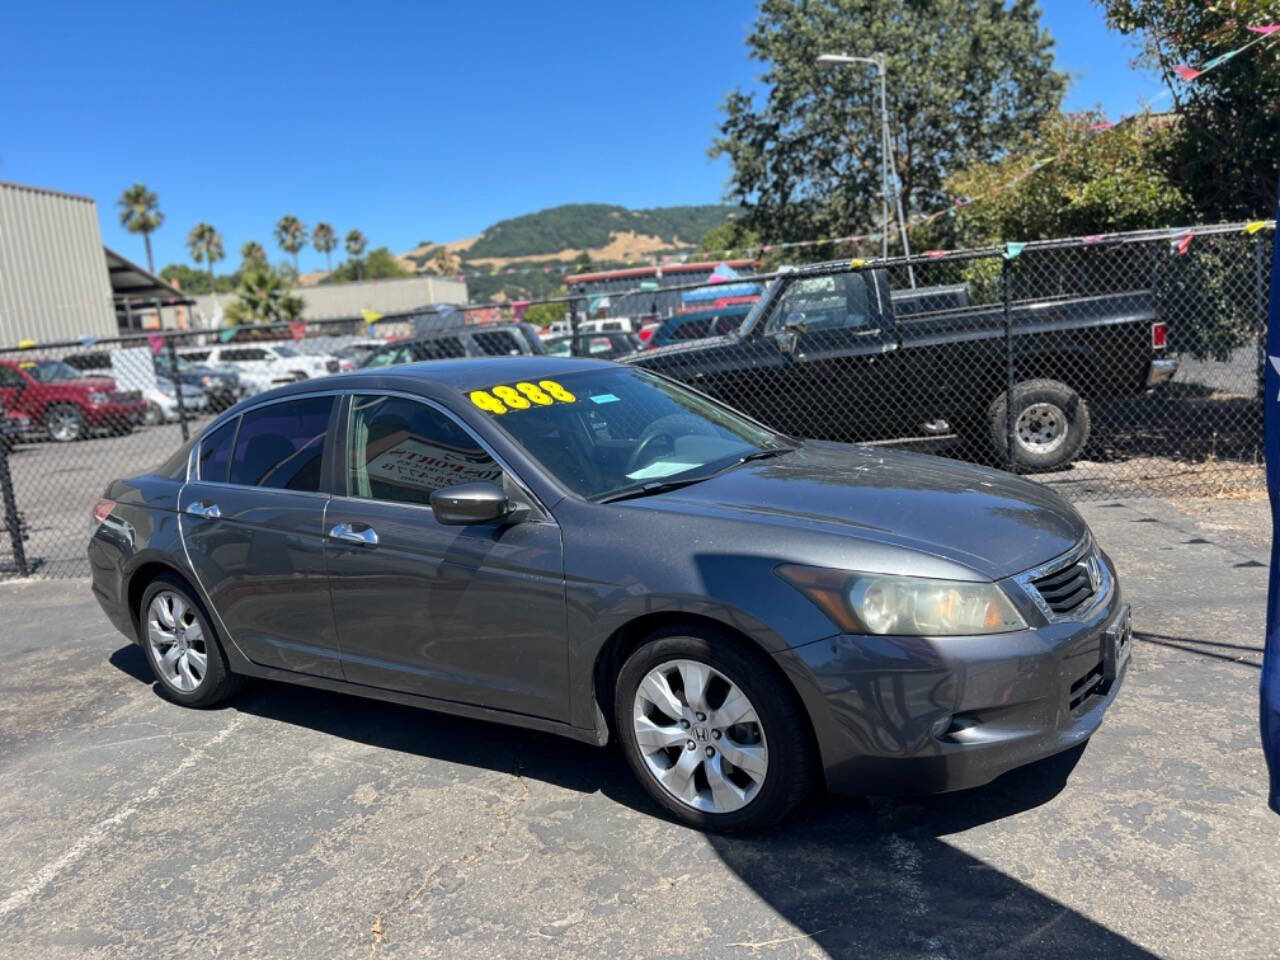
point(662, 486)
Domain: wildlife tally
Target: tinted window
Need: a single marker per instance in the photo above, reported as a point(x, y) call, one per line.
point(402, 450)
point(195, 356)
point(825, 303)
point(10, 378)
point(215, 452)
point(280, 445)
point(497, 343)
point(442, 348)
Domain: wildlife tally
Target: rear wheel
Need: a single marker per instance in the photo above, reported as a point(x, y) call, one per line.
point(1050, 425)
point(711, 730)
point(181, 645)
point(64, 422)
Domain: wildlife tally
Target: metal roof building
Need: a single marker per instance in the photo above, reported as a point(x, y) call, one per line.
point(54, 283)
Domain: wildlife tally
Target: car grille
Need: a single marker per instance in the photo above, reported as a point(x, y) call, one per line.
point(1066, 589)
point(332, 366)
point(126, 396)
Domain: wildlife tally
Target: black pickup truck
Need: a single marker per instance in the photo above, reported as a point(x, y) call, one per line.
point(826, 354)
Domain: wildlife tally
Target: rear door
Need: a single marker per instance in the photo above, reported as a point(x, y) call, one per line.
point(252, 522)
point(472, 614)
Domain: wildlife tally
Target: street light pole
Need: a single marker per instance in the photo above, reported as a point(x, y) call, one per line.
point(886, 152)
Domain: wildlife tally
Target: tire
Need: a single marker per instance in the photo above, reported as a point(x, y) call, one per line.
point(780, 732)
point(64, 422)
point(214, 682)
point(1051, 425)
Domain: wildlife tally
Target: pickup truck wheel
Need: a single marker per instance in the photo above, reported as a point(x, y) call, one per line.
point(1050, 427)
point(64, 423)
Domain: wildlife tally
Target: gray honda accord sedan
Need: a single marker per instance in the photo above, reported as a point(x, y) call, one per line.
point(593, 550)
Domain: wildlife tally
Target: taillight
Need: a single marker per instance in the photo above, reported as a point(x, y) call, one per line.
point(101, 510)
point(1159, 335)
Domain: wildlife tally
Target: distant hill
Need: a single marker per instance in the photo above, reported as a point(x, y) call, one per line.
point(583, 226)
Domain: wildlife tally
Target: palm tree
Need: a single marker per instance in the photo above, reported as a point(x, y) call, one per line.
point(205, 244)
point(355, 241)
point(291, 235)
point(140, 213)
point(252, 252)
point(324, 239)
point(263, 297)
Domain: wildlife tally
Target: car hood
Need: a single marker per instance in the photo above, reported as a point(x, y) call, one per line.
point(970, 518)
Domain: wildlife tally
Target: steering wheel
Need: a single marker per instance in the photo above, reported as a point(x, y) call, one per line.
point(664, 428)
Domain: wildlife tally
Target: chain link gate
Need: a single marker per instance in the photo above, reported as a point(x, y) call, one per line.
point(1118, 366)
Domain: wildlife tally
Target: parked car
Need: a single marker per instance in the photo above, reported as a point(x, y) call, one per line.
point(13, 426)
point(590, 549)
point(475, 340)
point(602, 346)
point(280, 362)
point(824, 354)
point(700, 323)
point(138, 369)
point(65, 404)
point(223, 385)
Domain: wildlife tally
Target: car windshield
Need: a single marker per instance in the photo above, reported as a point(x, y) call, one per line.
point(558, 346)
point(610, 432)
point(284, 351)
point(52, 371)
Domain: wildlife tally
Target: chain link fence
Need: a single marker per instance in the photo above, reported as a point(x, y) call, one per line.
point(1117, 366)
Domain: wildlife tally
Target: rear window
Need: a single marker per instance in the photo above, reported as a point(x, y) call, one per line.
point(496, 343)
point(195, 356)
point(215, 452)
point(281, 445)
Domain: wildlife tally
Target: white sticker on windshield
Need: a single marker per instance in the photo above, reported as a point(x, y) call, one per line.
point(659, 468)
point(604, 398)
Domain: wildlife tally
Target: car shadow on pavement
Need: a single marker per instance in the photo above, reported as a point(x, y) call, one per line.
point(876, 878)
point(858, 877)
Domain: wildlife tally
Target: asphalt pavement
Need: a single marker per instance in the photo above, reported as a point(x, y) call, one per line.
point(297, 823)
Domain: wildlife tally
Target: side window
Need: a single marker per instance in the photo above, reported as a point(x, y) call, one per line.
point(195, 356)
point(215, 452)
point(402, 450)
point(256, 354)
point(826, 303)
point(9, 377)
point(281, 445)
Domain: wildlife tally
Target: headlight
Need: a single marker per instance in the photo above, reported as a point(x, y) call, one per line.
point(96, 397)
point(911, 606)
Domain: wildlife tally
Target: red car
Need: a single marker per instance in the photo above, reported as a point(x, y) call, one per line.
point(66, 404)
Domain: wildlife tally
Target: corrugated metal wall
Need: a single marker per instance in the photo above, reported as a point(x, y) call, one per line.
point(348, 299)
point(53, 274)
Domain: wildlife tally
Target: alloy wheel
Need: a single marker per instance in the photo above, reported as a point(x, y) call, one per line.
point(177, 640)
point(700, 736)
point(64, 425)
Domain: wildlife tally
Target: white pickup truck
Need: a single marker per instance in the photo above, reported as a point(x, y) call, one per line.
point(279, 362)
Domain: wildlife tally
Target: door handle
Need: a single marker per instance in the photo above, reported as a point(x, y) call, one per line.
point(366, 537)
point(203, 508)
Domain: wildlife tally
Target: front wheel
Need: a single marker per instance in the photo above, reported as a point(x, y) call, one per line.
point(1050, 425)
point(712, 731)
point(65, 423)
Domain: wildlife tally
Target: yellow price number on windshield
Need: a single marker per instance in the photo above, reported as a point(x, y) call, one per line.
point(487, 402)
point(522, 396)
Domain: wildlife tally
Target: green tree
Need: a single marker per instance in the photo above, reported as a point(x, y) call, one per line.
point(443, 262)
point(729, 236)
point(324, 240)
point(381, 264)
point(1096, 183)
point(964, 78)
point(263, 296)
point(205, 244)
point(291, 236)
point(1227, 149)
point(252, 252)
point(355, 243)
point(545, 314)
point(140, 213)
point(582, 263)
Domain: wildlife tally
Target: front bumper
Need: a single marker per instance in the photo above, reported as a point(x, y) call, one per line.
point(909, 715)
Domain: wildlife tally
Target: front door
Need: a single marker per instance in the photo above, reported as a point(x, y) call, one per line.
point(473, 614)
point(253, 527)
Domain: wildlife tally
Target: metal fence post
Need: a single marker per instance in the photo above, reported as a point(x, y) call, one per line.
point(12, 522)
point(1260, 299)
point(177, 388)
point(1006, 279)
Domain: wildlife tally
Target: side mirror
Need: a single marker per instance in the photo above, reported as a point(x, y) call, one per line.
point(796, 323)
point(466, 503)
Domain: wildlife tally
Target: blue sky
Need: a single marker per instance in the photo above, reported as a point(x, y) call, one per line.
point(426, 122)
